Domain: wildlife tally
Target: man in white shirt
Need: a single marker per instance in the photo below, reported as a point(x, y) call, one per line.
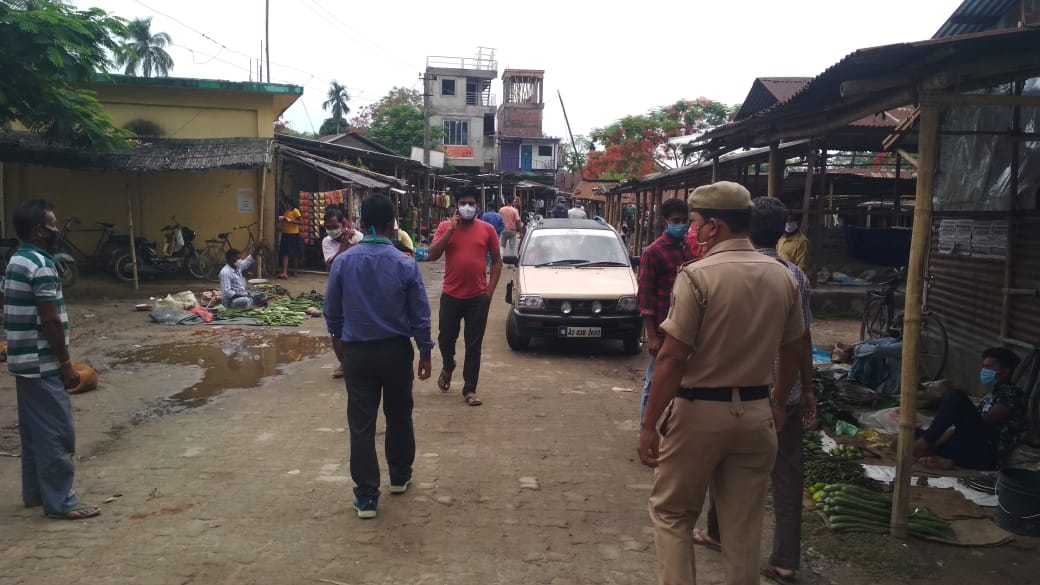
point(233, 292)
point(339, 238)
point(576, 212)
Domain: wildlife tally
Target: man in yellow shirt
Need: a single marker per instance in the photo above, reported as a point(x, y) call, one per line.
point(291, 245)
point(794, 246)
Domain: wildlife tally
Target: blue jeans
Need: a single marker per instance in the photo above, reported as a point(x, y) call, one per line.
point(973, 445)
point(646, 386)
point(48, 443)
point(878, 365)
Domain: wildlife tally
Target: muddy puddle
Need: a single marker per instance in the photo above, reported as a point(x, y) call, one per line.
point(222, 362)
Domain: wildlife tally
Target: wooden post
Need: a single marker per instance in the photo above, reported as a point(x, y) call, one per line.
point(928, 138)
point(1009, 247)
point(810, 163)
point(775, 180)
point(897, 195)
point(130, 223)
point(260, 219)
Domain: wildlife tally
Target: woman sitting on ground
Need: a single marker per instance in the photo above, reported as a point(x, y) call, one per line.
point(977, 437)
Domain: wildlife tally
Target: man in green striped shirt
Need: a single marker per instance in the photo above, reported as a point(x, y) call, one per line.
point(37, 329)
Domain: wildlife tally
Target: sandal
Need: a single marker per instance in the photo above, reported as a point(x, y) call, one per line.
point(771, 572)
point(472, 400)
point(702, 538)
point(338, 373)
point(444, 381)
point(77, 513)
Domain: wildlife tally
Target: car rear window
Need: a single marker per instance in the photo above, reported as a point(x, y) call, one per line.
point(573, 246)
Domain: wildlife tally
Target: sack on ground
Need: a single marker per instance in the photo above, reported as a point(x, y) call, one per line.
point(184, 301)
point(88, 378)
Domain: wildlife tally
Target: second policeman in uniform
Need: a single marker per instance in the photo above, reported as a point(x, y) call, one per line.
point(731, 312)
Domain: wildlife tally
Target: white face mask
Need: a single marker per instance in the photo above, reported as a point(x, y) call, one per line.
point(467, 212)
point(335, 234)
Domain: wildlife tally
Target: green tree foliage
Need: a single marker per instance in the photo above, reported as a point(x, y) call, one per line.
point(143, 53)
point(336, 102)
point(396, 121)
point(48, 51)
point(574, 160)
point(638, 145)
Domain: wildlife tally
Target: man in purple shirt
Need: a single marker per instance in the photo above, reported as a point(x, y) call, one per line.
point(375, 303)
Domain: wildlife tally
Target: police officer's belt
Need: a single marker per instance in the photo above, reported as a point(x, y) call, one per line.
point(747, 393)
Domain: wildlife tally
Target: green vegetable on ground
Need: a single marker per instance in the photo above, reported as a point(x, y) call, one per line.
point(852, 508)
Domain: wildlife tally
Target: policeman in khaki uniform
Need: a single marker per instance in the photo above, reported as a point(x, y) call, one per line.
point(732, 313)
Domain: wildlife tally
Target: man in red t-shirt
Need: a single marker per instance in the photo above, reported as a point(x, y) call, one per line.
point(465, 242)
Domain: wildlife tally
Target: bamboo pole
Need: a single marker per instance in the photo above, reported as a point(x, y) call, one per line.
point(133, 240)
point(810, 164)
point(927, 147)
point(260, 220)
point(1009, 254)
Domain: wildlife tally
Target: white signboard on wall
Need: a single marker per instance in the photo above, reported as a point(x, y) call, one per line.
point(436, 157)
point(246, 200)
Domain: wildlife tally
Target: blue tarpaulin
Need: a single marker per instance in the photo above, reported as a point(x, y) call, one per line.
point(885, 247)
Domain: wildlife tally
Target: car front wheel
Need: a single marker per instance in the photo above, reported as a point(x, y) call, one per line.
point(513, 338)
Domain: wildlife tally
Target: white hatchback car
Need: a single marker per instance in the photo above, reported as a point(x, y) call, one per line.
point(573, 279)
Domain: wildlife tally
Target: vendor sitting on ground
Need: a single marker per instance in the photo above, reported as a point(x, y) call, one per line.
point(233, 292)
point(877, 363)
point(977, 437)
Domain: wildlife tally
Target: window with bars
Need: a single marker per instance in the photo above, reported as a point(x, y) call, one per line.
point(456, 132)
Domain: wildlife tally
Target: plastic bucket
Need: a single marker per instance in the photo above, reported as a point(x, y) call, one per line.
point(1018, 501)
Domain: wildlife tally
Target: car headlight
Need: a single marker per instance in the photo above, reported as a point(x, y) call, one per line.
point(531, 302)
point(627, 304)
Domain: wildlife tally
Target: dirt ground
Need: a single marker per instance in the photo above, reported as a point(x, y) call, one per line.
point(202, 483)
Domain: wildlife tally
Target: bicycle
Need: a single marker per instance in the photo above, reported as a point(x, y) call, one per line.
point(106, 249)
point(213, 256)
point(878, 317)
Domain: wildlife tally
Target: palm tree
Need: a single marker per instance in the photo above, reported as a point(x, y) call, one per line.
point(143, 50)
point(337, 102)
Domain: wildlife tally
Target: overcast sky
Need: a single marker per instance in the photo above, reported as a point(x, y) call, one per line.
point(608, 59)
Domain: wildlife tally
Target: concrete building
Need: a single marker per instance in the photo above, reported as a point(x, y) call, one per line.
point(522, 146)
point(461, 102)
point(203, 153)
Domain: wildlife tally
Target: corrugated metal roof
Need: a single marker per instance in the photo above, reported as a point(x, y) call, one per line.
point(903, 64)
point(766, 92)
point(974, 16)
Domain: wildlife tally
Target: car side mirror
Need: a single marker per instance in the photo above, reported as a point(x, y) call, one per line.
point(510, 260)
point(635, 261)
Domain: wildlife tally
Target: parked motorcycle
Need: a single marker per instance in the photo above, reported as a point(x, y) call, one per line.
point(179, 256)
point(63, 262)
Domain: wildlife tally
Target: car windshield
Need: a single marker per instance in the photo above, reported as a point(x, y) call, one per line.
point(571, 247)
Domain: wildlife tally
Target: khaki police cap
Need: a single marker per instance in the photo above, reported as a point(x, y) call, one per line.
point(721, 196)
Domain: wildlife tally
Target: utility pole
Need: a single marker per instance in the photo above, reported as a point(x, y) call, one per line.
point(267, 36)
point(577, 157)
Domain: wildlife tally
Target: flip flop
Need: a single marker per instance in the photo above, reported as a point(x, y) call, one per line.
point(472, 400)
point(444, 381)
point(338, 373)
point(701, 538)
point(77, 513)
point(770, 572)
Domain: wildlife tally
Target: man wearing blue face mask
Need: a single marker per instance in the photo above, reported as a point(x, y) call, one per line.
point(658, 267)
point(977, 437)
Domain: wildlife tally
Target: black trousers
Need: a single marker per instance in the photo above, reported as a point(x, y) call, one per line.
point(374, 370)
point(475, 313)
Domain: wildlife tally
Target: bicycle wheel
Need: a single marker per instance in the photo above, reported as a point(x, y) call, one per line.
point(932, 348)
point(874, 322)
point(198, 266)
point(211, 260)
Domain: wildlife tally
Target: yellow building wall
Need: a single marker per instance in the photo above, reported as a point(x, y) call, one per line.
point(205, 201)
point(191, 113)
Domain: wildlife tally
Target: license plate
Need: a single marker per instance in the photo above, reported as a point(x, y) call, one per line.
point(588, 332)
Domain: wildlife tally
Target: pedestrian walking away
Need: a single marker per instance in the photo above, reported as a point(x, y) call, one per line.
point(658, 266)
point(767, 224)
point(374, 305)
point(511, 218)
point(465, 242)
point(37, 330)
point(712, 375)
